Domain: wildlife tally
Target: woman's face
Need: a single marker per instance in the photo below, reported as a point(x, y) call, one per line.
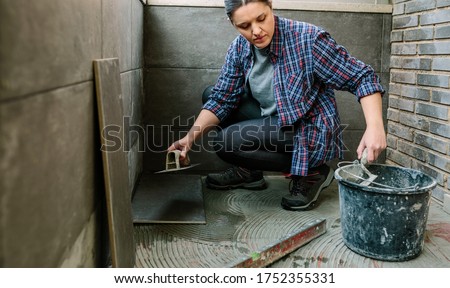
point(255, 22)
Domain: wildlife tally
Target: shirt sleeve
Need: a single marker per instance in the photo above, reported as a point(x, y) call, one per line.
point(339, 70)
point(229, 87)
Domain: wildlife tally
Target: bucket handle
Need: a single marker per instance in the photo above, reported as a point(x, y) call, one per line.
point(356, 162)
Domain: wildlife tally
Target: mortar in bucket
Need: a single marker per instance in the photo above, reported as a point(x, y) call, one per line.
point(385, 219)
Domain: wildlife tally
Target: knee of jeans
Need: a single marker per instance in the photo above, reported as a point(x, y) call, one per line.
point(206, 93)
point(219, 142)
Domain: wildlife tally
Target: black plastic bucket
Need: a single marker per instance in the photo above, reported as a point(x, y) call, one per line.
point(387, 219)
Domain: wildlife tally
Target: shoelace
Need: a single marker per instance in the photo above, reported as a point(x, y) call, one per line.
point(296, 187)
point(231, 172)
point(228, 172)
point(300, 186)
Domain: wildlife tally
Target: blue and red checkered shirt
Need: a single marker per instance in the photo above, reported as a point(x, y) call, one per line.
point(308, 66)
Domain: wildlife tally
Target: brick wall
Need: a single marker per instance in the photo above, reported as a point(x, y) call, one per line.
point(419, 103)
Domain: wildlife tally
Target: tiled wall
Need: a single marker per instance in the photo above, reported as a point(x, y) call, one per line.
point(184, 53)
point(419, 106)
point(51, 187)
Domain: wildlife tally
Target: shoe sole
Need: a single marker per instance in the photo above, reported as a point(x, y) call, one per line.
point(312, 204)
point(257, 185)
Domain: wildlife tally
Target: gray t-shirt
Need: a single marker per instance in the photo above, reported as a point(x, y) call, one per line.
point(260, 81)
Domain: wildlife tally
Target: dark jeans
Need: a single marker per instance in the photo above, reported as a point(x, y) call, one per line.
point(248, 140)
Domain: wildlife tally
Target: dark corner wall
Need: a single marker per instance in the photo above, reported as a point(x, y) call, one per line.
point(184, 49)
point(51, 187)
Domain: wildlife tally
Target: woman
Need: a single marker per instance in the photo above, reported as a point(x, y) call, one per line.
point(288, 71)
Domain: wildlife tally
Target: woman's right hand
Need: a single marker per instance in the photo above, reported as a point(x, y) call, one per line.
point(205, 121)
point(184, 146)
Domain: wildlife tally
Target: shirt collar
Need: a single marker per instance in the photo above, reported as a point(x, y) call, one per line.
point(277, 39)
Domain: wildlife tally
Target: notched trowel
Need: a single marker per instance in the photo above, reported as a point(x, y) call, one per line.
point(358, 173)
point(173, 163)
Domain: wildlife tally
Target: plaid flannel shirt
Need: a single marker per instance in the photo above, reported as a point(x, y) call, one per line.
point(308, 66)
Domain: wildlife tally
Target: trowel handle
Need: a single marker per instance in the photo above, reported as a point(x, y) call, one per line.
point(364, 157)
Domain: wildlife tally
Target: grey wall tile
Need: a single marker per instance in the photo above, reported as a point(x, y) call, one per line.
point(386, 43)
point(125, 79)
point(137, 36)
point(135, 159)
point(132, 99)
point(80, 253)
point(350, 111)
point(137, 96)
point(125, 33)
point(363, 43)
point(110, 27)
point(180, 41)
point(172, 93)
point(46, 45)
point(51, 173)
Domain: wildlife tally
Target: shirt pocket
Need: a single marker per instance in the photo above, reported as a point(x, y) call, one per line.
point(297, 87)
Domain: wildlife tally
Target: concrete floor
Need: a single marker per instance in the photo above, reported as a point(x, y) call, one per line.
point(209, 245)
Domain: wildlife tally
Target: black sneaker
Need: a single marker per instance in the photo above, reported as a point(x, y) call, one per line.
point(236, 177)
point(305, 190)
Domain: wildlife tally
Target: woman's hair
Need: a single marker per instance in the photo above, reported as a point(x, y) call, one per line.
point(233, 5)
